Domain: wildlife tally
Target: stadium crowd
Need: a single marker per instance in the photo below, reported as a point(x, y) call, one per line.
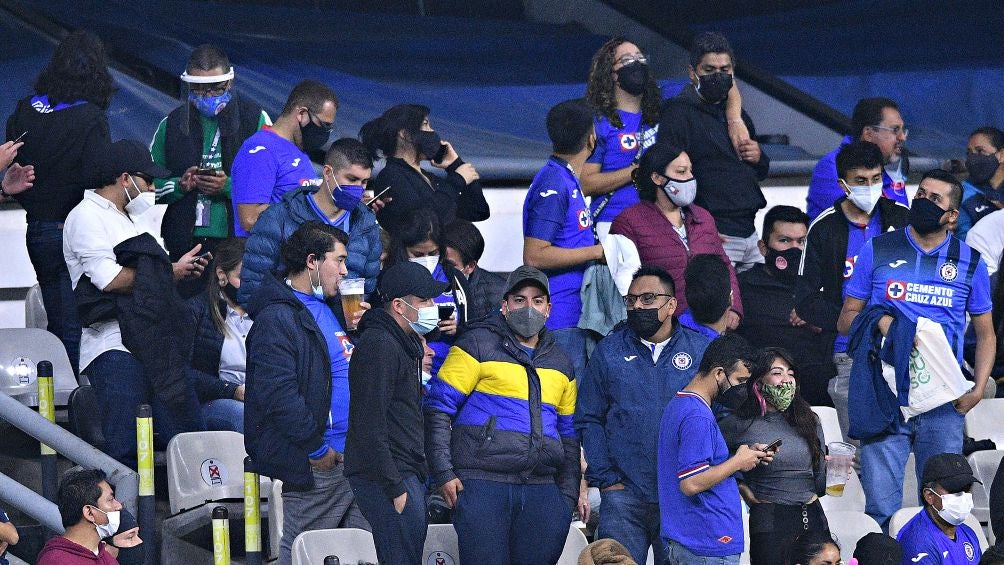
point(653, 346)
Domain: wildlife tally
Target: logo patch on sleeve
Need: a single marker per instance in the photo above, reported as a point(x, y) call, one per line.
point(725, 539)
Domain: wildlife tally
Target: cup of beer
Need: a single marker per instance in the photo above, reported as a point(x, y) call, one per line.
point(352, 294)
point(838, 468)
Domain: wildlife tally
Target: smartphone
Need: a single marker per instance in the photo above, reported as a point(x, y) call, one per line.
point(441, 154)
point(20, 137)
point(206, 172)
point(378, 195)
point(446, 311)
point(774, 446)
point(205, 255)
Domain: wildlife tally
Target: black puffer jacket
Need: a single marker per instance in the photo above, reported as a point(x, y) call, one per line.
point(486, 290)
point(204, 368)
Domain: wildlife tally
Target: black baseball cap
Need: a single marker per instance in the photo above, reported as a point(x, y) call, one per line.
point(128, 156)
point(522, 275)
point(410, 279)
point(878, 549)
point(950, 470)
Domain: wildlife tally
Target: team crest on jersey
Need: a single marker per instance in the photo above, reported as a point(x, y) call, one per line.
point(970, 551)
point(849, 266)
point(583, 219)
point(629, 141)
point(895, 290)
point(682, 360)
point(948, 271)
point(347, 345)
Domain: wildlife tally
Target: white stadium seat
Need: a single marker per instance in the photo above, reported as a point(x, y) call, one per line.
point(274, 518)
point(574, 544)
point(986, 421)
point(853, 498)
point(20, 351)
point(441, 543)
point(351, 545)
point(849, 526)
point(830, 423)
point(984, 464)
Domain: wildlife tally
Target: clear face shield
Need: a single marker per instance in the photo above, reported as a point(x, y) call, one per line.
point(206, 94)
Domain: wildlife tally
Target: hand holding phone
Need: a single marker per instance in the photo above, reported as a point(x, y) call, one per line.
point(774, 446)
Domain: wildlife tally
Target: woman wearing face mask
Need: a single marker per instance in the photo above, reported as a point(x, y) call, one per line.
point(404, 136)
point(783, 496)
point(984, 189)
point(667, 227)
point(419, 241)
point(219, 354)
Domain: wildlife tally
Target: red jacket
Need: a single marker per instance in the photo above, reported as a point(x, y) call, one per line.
point(659, 245)
point(61, 551)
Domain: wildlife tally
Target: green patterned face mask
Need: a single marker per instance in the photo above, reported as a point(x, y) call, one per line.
point(779, 396)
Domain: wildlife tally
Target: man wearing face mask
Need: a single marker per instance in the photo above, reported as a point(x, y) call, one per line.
point(832, 245)
point(297, 391)
point(633, 373)
point(275, 160)
point(336, 202)
point(499, 432)
point(727, 176)
point(203, 134)
point(984, 189)
point(937, 533)
point(90, 513)
point(122, 374)
point(768, 292)
point(920, 271)
point(385, 448)
point(698, 495)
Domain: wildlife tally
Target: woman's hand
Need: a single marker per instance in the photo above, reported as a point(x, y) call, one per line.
point(469, 173)
point(448, 326)
point(448, 158)
point(748, 495)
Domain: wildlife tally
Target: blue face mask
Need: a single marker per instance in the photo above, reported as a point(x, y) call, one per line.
point(317, 290)
point(210, 106)
point(428, 318)
point(345, 196)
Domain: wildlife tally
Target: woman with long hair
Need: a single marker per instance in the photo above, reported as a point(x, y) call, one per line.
point(64, 127)
point(622, 90)
point(667, 228)
point(219, 355)
point(783, 496)
point(403, 135)
point(813, 548)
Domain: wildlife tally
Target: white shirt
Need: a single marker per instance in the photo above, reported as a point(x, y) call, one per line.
point(91, 231)
point(987, 237)
point(655, 348)
point(233, 356)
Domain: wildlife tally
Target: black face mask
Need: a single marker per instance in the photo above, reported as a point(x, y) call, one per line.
point(784, 263)
point(230, 291)
point(715, 87)
point(427, 143)
point(644, 321)
point(981, 168)
point(925, 216)
point(633, 77)
point(313, 136)
point(732, 397)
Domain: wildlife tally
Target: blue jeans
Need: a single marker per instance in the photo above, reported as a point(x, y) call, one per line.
point(44, 241)
point(399, 538)
point(122, 386)
point(633, 522)
point(677, 554)
point(577, 344)
point(224, 414)
point(501, 523)
point(883, 460)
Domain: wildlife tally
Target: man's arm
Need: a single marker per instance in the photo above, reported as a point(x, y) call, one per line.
point(541, 254)
point(853, 307)
point(595, 183)
point(248, 214)
point(745, 459)
point(590, 422)
point(261, 254)
point(810, 304)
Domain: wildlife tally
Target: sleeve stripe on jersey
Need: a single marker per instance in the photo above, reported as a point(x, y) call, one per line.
point(694, 471)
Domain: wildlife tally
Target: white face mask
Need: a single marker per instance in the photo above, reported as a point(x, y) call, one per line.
point(864, 196)
point(142, 203)
point(955, 508)
point(108, 530)
point(429, 262)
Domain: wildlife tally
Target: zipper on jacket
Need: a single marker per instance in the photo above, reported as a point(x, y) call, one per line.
point(487, 431)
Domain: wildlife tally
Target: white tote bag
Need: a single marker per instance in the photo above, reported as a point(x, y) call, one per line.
point(935, 374)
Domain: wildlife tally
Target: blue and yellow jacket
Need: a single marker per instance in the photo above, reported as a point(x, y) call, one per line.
point(495, 413)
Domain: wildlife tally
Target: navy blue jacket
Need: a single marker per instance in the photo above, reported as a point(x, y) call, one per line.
point(204, 364)
point(873, 409)
point(288, 393)
point(280, 220)
point(620, 404)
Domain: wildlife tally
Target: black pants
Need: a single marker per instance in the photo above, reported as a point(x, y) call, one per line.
point(773, 526)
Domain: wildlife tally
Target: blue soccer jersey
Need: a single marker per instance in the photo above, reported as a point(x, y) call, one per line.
point(941, 285)
point(616, 148)
point(556, 211)
point(923, 543)
point(709, 523)
point(266, 167)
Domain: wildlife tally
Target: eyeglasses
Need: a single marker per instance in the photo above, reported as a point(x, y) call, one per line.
point(628, 59)
point(326, 126)
point(211, 89)
point(646, 298)
point(893, 130)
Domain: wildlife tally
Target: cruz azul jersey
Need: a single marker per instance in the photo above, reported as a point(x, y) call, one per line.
point(940, 285)
point(617, 148)
point(555, 211)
